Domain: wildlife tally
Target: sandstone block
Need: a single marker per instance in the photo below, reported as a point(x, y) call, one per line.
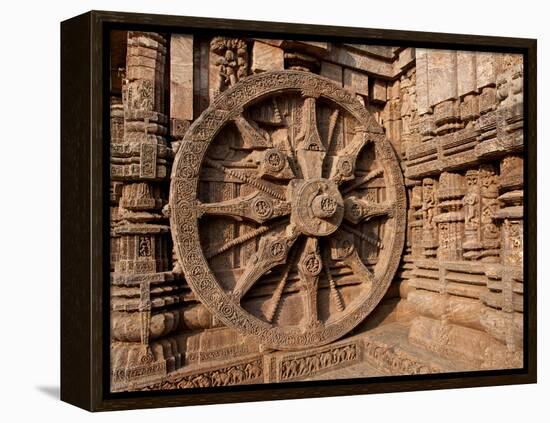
point(266, 57)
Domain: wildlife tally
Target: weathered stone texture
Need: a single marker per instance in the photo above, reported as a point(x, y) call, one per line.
point(332, 71)
point(181, 77)
point(286, 210)
point(356, 82)
point(266, 57)
point(466, 71)
point(442, 75)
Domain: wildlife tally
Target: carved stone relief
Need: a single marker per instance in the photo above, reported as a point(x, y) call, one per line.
point(306, 217)
point(231, 61)
point(429, 210)
point(287, 210)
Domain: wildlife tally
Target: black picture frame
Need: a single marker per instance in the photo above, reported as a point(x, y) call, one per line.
point(85, 212)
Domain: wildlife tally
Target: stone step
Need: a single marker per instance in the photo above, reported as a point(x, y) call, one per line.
point(388, 349)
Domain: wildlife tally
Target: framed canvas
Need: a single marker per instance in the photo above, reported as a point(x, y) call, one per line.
point(258, 211)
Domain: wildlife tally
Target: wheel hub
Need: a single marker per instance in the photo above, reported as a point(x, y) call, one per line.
point(317, 206)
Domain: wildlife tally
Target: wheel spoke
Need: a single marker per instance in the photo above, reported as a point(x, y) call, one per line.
point(272, 251)
point(255, 207)
point(334, 294)
point(358, 267)
point(309, 268)
point(343, 164)
point(331, 125)
point(371, 240)
point(343, 248)
point(246, 179)
point(253, 136)
point(237, 241)
point(357, 210)
point(310, 151)
point(278, 293)
point(358, 182)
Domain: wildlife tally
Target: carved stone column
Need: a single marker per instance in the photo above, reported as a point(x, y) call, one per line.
point(413, 241)
point(426, 124)
point(392, 114)
point(472, 213)
point(117, 137)
point(415, 222)
point(467, 87)
point(141, 284)
point(443, 90)
point(503, 318)
point(429, 210)
point(450, 220)
point(409, 111)
point(490, 236)
point(511, 188)
point(485, 81)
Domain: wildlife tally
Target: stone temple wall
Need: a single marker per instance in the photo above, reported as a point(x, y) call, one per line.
point(455, 121)
point(462, 143)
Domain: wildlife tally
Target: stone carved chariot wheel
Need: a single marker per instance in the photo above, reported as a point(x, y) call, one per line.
point(287, 209)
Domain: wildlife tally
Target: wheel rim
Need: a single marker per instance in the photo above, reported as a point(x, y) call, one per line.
point(305, 202)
